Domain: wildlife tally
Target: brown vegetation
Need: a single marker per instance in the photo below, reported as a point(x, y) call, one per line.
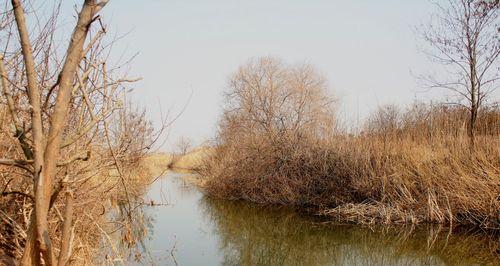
point(71, 147)
point(190, 161)
point(409, 166)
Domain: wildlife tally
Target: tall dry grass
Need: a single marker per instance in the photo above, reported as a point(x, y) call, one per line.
point(364, 179)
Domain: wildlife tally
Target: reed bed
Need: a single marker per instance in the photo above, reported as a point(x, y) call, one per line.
point(363, 180)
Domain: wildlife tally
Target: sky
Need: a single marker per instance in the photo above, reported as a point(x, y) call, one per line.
point(368, 50)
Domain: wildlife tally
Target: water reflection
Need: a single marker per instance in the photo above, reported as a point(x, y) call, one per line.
point(196, 230)
point(264, 236)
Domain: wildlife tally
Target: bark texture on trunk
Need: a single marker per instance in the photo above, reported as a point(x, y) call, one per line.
point(67, 231)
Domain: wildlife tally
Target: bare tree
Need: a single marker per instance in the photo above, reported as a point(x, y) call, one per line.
point(463, 37)
point(58, 109)
point(270, 97)
point(46, 145)
point(66, 127)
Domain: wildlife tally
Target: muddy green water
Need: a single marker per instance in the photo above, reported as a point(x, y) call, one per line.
point(195, 230)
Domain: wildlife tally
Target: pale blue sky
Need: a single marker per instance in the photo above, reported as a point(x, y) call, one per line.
point(365, 48)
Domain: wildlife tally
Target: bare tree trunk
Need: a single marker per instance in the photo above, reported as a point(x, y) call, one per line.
point(473, 106)
point(58, 117)
point(37, 132)
point(31, 254)
point(471, 51)
point(65, 252)
point(472, 126)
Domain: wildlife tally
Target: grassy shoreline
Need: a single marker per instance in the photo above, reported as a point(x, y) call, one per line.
point(356, 184)
point(362, 180)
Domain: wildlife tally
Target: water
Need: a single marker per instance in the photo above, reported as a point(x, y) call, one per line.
point(195, 230)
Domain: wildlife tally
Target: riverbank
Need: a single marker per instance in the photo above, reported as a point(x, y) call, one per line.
point(366, 180)
point(363, 180)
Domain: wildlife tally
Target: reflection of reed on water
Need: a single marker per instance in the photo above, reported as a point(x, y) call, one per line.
point(251, 235)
